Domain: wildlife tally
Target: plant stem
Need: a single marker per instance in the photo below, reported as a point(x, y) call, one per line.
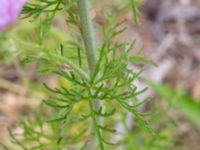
point(81, 72)
point(91, 53)
point(88, 34)
point(95, 123)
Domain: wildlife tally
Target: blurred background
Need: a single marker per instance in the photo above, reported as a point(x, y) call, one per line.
point(168, 33)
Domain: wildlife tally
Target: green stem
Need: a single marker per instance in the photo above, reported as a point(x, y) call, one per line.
point(95, 123)
point(88, 34)
point(81, 72)
point(91, 53)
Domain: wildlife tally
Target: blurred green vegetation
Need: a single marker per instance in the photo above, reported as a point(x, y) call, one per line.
point(30, 42)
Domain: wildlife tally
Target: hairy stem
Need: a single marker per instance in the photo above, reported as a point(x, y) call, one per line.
point(88, 34)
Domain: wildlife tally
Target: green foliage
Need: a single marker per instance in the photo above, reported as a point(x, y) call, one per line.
point(39, 7)
point(180, 100)
point(98, 95)
point(136, 13)
point(8, 49)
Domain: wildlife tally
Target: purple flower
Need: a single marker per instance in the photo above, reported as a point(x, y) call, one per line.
point(9, 10)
